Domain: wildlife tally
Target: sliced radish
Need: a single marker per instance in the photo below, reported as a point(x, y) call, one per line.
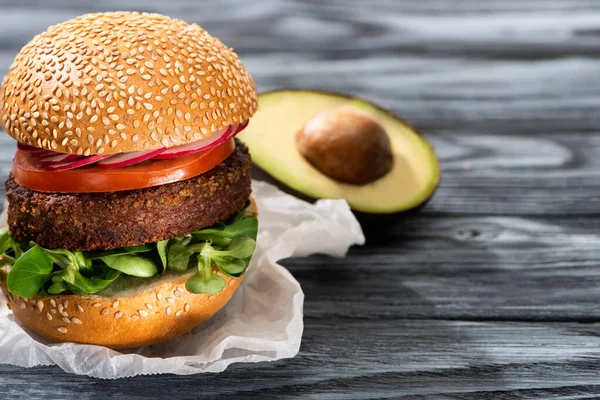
point(56, 159)
point(126, 159)
point(27, 147)
point(194, 147)
point(233, 129)
point(80, 162)
point(232, 132)
point(43, 153)
point(243, 126)
point(36, 152)
point(204, 144)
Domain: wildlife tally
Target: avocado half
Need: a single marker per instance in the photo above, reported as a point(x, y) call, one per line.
point(270, 137)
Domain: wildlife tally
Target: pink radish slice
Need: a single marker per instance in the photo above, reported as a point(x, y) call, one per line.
point(43, 153)
point(80, 162)
point(56, 159)
point(243, 126)
point(235, 129)
point(126, 159)
point(26, 147)
point(35, 151)
point(194, 147)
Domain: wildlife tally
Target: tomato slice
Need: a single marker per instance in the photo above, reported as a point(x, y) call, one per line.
point(95, 179)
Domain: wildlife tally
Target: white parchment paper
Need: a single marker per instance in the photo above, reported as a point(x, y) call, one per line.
point(262, 322)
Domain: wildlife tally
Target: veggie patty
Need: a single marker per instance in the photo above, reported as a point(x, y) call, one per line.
point(104, 221)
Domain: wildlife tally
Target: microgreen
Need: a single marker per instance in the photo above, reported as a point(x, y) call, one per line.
point(178, 257)
point(162, 247)
point(132, 265)
point(29, 273)
point(200, 285)
point(227, 247)
point(84, 285)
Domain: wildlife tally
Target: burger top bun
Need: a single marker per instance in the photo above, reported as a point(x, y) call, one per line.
point(119, 82)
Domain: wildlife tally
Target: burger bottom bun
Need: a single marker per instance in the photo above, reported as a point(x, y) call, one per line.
point(151, 312)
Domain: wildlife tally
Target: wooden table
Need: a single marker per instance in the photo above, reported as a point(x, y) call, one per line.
point(494, 288)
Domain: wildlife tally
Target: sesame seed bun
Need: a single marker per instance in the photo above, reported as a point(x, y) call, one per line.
point(139, 313)
point(119, 82)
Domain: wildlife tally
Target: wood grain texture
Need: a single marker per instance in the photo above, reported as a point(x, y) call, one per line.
point(492, 290)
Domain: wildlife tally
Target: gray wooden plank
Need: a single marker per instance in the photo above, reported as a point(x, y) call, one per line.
point(467, 268)
point(510, 68)
point(425, 358)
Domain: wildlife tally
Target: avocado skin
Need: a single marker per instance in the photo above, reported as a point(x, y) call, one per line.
point(374, 224)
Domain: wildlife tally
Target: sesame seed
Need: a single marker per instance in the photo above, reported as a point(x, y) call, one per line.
point(49, 316)
point(149, 306)
point(178, 313)
point(115, 304)
point(66, 320)
point(118, 314)
point(135, 317)
point(76, 321)
point(80, 308)
point(40, 306)
point(62, 329)
point(186, 308)
point(168, 310)
point(104, 311)
point(96, 305)
point(159, 296)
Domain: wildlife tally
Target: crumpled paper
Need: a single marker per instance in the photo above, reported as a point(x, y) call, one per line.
point(262, 322)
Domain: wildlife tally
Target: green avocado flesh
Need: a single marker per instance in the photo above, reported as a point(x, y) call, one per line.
point(271, 140)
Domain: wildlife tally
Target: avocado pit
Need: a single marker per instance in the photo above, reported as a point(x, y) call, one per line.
point(346, 144)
